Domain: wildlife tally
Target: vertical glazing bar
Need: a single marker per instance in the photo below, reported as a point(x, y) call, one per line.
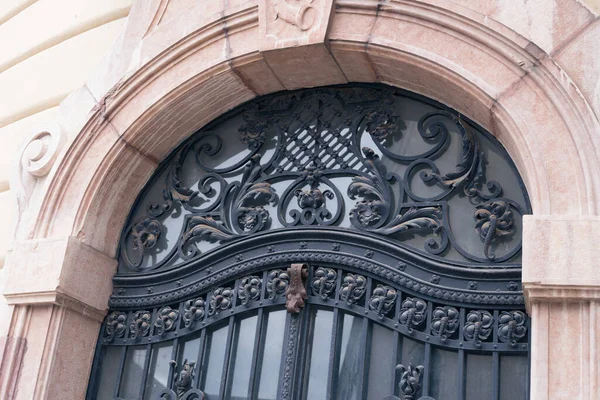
point(145, 372)
point(172, 367)
point(336, 335)
point(495, 361)
point(397, 348)
point(427, 356)
point(299, 335)
point(226, 359)
point(199, 361)
point(258, 348)
point(364, 370)
point(461, 358)
point(289, 354)
point(120, 372)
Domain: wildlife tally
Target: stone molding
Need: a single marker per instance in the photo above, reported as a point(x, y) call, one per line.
point(180, 64)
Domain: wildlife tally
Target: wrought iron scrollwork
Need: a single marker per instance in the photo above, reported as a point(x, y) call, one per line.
point(249, 289)
point(183, 383)
point(382, 300)
point(166, 320)
point(115, 326)
point(413, 313)
point(445, 321)
point(326, 158)
point(220, 300)
point(478, 326)
point(193, 311)
point(140, 324)
point(323, 282)
point(277, 283)
point(511, 326)
point(353, 288)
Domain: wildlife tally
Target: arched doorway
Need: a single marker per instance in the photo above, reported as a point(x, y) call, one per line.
point(397, 222)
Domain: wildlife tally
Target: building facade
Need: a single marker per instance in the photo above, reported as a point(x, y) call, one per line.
point(528, 74)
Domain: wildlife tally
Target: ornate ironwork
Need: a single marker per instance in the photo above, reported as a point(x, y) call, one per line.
point(166, 320)
point(382, 300)
point(511, 326)
point(410, 380)
point(478, 326)
point(413, 313)
point(277, 283)
point(323, 282)
point(115, 325)
point(444, 322)
point(220, 300)
point(353, 288)
point(249, 289)
point(304, 150)
point(183, 382)
point(193, 311)
point(296, 291)
point(140, 324)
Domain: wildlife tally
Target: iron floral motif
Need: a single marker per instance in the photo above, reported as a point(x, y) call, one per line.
point(115, 325)
point(323, 282)
point(493, 219)
point(410, 380)
point(254, 132)
point(277, 283)
point(413, 313)
point(444, 322)
point(382, 300)
point(165, 320)
point(249, 289)
point(146, 233)
point(140, 324)
point(511, 326)
point(220, 300)
point(296, 291)
point(193, 311)
point(353, 288)
point(478, 326)
point(183, 382)
point(381, 124)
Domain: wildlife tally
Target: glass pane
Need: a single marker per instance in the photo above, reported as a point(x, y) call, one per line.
point(319, 357)
point(351, 358)
point(271, 358)
point(412, 352)
point(108, 377)
point(443, 374)
point(514, 371)
point(383, 363)
point(478, 377)
point(241, 358)
point(132, 372)
point(214, 359)
point(158, 371)
point(188, 350)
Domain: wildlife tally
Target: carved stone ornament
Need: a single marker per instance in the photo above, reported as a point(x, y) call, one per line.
point(296, 12)
point(296, 291)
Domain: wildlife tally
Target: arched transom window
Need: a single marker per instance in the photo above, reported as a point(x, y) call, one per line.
point(352, 242)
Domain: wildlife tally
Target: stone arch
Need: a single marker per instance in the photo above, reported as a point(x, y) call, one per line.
point(172, 72)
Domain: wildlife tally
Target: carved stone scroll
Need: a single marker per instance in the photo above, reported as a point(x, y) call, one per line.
point(296, 291)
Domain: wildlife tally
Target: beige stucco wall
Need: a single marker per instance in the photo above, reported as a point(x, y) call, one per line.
point(47, 49)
